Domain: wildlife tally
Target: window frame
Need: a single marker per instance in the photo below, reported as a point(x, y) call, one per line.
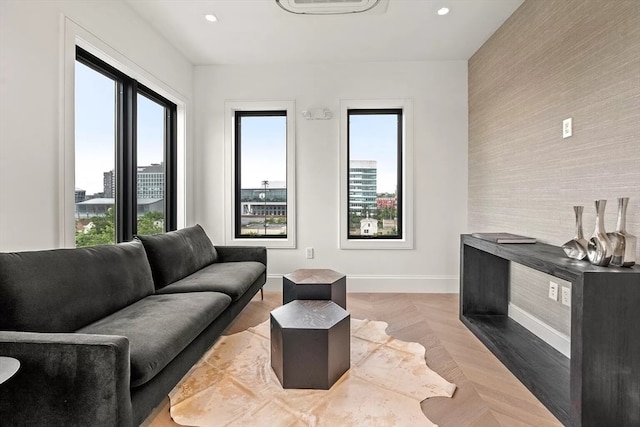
point(232, 192)
point(126, 147)
point(238, 115)
point(399, 171)
point(405, 172)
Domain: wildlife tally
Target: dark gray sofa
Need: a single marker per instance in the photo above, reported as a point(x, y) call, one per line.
point(104, 333)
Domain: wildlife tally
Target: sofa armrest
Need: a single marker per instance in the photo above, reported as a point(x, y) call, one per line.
point(242, 253)
point(66, 379)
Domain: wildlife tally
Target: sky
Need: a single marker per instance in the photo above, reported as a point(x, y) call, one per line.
point(264, 150)
point(373, 137)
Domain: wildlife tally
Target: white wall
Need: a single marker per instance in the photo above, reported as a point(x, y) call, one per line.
point(439, 94)
point(31, 38)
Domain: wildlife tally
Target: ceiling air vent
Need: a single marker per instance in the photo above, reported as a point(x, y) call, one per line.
point(333, 7)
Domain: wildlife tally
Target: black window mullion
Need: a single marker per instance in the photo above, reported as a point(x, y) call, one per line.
point(171, 184)
point(349, 112)
point(238, 174)
point(399, 186)
point(121, 136)
point(132, 167)
point(127, 154)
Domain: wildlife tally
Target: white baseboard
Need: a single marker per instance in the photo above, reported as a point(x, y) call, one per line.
point(387, 284)
point(551, 336)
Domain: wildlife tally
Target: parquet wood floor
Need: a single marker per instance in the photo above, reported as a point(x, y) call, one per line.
point(488, 394)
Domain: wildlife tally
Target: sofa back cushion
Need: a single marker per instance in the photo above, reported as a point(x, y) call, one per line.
point(177, 254)
point(63, 290)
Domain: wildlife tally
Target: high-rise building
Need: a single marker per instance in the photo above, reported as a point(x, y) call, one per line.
point(363, 184)
point(109, 184)
point(150, 182)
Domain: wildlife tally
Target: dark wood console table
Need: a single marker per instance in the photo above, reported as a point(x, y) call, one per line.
point(600, 384)
point(8, 368)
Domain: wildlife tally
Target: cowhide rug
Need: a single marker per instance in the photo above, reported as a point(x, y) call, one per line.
point(234, 385)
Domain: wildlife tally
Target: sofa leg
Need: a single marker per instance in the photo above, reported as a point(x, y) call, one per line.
point(262, 294)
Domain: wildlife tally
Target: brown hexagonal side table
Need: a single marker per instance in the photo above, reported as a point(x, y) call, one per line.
point(310, 344)
point(315, 284)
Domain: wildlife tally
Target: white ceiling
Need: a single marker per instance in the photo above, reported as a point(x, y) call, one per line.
point(259, 31)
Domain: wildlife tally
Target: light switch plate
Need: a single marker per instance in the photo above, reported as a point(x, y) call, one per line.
point(566, 296)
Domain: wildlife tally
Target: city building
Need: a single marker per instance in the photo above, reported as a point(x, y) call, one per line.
point(81, 195)
point(150, 182)
point(260, 201)
point(386, 203)
point(100, 206)
point(363, 183)
point(368, 227)
point(109, 184)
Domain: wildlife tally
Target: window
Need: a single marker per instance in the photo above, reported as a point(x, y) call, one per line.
point(261, 174)
point(262, 184)
point(125, 155)
point(153, 129)
point(95, 120)
point(375, 174)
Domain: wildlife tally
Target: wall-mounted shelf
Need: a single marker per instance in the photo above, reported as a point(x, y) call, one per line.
point(600, 384)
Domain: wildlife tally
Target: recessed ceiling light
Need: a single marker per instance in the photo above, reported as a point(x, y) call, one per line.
point(443, 11)
point(211, 17)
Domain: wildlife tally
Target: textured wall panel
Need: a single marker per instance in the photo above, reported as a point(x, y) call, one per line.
point(551, 60)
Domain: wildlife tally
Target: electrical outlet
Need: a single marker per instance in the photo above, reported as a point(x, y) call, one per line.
point(566, 296)
point(553, 291)
point(567, 127)
point(309, 253)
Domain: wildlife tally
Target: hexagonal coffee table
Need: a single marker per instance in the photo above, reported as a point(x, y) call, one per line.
point(310, 344)
point(315, 284)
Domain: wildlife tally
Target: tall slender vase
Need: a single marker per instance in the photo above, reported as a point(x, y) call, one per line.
point(624, 244)
point(599, 249)
point(576, 248)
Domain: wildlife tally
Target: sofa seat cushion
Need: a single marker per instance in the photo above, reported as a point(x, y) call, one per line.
point(231, 278)
point(177, 254)
point(159, 327)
